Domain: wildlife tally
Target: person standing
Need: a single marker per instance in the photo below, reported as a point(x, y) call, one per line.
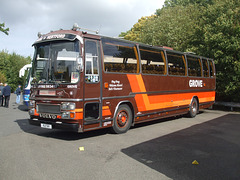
point(18, 93)
point(1, 94)
point(6, 94)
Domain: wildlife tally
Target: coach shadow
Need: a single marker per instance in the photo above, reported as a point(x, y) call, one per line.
point(58, 134)
point(69, 135)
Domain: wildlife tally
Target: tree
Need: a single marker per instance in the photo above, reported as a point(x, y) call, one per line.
point(2, 78)
point(3, 29)
point(210, 28)
point(171, 3)
point(10, 64)
point(173, 27)
point(220, 34)
point(135, 33)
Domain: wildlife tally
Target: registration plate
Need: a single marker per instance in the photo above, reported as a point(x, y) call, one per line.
point(47, 126)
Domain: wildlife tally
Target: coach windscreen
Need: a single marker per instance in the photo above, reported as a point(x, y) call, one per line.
point(56, 62)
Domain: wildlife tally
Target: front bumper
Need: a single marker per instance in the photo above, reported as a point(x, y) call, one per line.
point(64, 126)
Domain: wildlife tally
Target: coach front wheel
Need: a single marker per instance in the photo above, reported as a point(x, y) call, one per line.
point(122, 120)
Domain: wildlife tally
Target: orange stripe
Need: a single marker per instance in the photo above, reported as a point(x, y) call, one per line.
point(133, 82)
point(77, 110)
point(106, 111)
point(35, 113)
point(137, 86)
point(203, 96)
point(140, 102)
point(79, 116)
point(152, 102)
point(105, 107)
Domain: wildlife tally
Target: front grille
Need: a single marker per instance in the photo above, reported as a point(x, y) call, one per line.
point(46, 108)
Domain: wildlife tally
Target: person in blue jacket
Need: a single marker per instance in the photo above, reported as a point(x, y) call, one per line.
point(18, 93)
point(6, 94)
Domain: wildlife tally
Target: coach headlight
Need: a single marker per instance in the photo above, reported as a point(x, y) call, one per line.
point(68, 106)
point(31, 111)
point(31, 103)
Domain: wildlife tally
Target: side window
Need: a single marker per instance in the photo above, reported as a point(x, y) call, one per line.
point(153, 61)
point(211, 68)
point(176, 64)
point(194, 66)
point(205, 68)
point(119, 56)
point(91, 61)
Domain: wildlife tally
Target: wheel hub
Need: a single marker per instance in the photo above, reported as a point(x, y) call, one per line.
point(122, 119)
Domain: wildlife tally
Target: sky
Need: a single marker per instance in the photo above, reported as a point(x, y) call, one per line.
point(25, 18)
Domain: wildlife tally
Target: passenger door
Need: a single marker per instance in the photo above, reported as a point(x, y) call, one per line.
point(92, 84)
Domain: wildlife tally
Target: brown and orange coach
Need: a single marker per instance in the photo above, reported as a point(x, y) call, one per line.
point(83, 82)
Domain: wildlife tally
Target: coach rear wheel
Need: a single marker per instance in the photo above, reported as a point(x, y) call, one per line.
point(193, 110)
point(122, 119)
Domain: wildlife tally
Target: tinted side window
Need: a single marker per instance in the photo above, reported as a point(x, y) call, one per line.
point(211, 68)
point(91, 61)
point(152, 60)
point(194, 66)
point(205, 68)
point(176, 64)
point(91, 111)
point(119, 56)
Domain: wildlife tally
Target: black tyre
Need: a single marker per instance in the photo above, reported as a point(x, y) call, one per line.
point(193, 109)
point(122, 120)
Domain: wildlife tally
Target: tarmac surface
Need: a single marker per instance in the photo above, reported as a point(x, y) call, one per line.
point(162, 149)
point(214, 146)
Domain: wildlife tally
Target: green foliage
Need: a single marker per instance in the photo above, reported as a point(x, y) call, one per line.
point(221, 39)
point(136, 33)
point(174, 27)
point(210, 28)
point(171, 3)
point(10, 64)
point(3, 29)
point(2, 78)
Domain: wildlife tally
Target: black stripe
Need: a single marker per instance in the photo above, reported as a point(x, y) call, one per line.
point(91, 99)
point(96, 121)
point(164, 111)
point(119, 97)
point(206, 103)
point(56, 99)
